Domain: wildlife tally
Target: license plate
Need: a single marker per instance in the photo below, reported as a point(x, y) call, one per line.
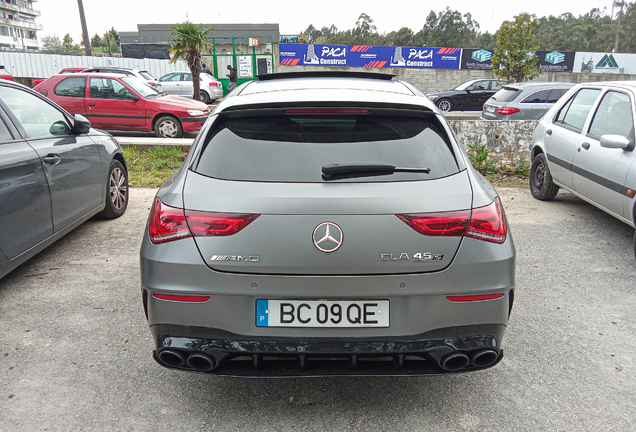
point(322, 313)
point(490, 109)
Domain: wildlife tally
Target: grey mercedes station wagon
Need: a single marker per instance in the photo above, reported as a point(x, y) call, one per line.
point(327, 224)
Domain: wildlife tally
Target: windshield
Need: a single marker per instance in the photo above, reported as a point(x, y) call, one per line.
point(143, 89)
point(465, 85)
point(146, 75)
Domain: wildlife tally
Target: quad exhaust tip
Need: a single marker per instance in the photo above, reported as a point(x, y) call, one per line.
point(172, 358)
point(201, 362)
point(197, 361)
point(458, 360)
point(485, 358)
point(455, 361)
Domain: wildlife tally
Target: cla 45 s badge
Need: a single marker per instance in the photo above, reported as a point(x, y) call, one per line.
point(420, 256)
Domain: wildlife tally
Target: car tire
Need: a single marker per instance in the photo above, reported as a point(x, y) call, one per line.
point(444, 105)
point(204, 97)
point(541, 185)
point(116, 191)
point(168, 127)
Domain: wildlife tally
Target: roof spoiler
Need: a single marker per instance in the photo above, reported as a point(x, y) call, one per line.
point(326, 74)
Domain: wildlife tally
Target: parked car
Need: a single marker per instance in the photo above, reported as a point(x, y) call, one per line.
point(524, 101)
point(63, 71)
point(469, 96)
point(327, 224)
point(141, 74)
point(56, 172)
point(120, 102)
point(5, 74)
point(585, 144)
point(180, 84)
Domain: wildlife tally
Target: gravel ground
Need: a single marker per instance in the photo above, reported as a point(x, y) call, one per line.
point(75, 350)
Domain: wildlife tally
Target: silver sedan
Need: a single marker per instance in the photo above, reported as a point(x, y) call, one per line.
point(585, 144)
point(180, 84)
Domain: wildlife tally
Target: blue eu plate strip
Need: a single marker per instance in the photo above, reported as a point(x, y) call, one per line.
point(262, 307)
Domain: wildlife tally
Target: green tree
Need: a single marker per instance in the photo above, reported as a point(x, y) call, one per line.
point(188, 43)
point(514, 57)
point(111, 38)
point(450, 28)
point(97, 41)
point(52, 44)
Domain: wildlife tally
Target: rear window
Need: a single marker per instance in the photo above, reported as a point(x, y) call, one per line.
point(506, 94)
point(295, 147)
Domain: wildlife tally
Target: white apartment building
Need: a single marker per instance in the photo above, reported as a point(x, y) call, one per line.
point(18, 29)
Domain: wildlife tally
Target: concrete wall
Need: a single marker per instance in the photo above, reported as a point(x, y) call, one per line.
point(427, 80)
point(508, 141)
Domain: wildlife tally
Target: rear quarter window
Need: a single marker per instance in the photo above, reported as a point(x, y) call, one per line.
point(71, 87)
point(295, 147)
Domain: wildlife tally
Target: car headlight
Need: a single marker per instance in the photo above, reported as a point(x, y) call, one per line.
point(432, 97)
point(196, 113)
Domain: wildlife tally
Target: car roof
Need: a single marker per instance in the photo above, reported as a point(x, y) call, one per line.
point(326, 88)
point(522, 85)
point(95, 75)
point(627, 84)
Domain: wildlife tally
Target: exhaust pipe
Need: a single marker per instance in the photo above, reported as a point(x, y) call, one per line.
point(172, 358)
point(485, 358)
point(454, 361)
point(201, 362)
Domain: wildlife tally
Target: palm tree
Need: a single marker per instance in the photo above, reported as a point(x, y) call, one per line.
point(188, 43)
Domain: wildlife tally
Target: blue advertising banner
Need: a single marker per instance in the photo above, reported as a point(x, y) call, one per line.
point(369, 56)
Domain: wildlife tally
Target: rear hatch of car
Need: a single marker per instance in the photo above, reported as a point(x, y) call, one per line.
point(327, 192)
point(496, 108)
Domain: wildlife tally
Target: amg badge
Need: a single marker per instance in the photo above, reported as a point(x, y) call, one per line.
point(246, 258)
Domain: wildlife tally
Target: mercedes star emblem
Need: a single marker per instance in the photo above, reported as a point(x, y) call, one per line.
point(328, 237)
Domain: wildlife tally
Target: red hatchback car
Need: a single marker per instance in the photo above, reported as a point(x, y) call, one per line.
point(120, 102)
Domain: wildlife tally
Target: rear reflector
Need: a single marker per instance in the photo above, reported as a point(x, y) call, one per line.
point(214, 84)
point(326, 111)
point(484, 223)
point(474, 298)
point(507, 111)
point(182, 298)
point(168, 224)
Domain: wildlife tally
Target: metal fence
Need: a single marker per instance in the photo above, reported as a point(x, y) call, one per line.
point(40, 65)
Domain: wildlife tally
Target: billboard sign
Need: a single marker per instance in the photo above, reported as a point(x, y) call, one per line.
point(588, 62)
point(548, 61)
point(369, 56)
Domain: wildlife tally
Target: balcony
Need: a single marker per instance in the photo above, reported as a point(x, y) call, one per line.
point(22, 7)
point(20, 24)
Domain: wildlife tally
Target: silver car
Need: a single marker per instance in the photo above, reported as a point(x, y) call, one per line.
point(327, 224)
point(143, 75)
point(523, 101)
point(180, 84)
point(585, 144)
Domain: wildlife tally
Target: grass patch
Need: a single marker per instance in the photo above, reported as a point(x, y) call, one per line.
point(150, 168)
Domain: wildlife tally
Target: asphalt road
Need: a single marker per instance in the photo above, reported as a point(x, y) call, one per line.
point(75, 351)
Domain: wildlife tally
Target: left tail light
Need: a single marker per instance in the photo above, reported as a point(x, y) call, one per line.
point(486, 223)
point(507, 110)
point(151, 83)
point(168, 223)
point(214, 84)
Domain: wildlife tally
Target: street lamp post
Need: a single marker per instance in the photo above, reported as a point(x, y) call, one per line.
point(87, 41)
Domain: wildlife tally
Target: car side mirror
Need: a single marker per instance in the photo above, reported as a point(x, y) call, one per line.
point(59, 128)
point(614, 142)
point(81, 124)
point(131, 97)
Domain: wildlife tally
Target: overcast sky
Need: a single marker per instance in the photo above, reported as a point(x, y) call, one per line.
point(61, 16)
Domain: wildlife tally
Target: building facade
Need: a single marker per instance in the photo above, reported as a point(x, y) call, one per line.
point(18, 29)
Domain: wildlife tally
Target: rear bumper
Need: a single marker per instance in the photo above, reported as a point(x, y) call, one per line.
point(441, 351)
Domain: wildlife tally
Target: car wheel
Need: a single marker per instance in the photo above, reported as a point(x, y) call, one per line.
point(205, 98)
point(445, 105)
point(541, 184)
point(168, 127)
point(116, 191)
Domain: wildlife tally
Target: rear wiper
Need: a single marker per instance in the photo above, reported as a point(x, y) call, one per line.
point(337, 171)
